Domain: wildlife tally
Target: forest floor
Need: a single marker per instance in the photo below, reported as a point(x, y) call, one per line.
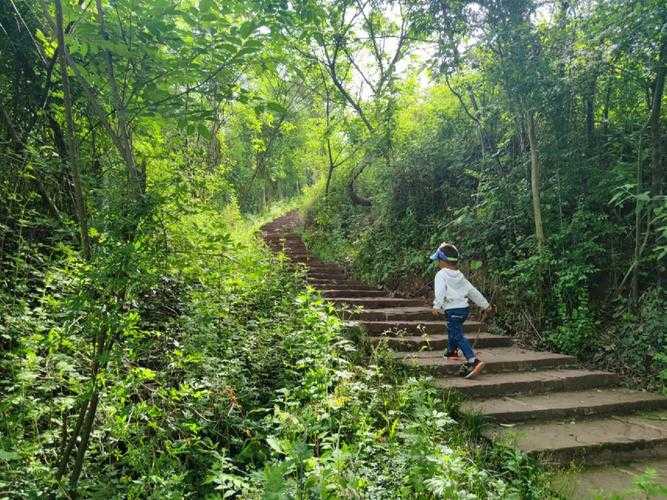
point(544, 403)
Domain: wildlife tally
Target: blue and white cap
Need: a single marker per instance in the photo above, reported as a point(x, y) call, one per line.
point(440, 255)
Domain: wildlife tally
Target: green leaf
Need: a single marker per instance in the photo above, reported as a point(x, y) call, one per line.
point(275, 444)
point(274, 106)
point(9, 455)
point(475, 264)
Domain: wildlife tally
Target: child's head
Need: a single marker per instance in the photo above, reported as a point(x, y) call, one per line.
point(447, 256)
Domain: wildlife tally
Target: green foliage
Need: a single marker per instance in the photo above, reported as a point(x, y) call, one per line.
point(202, 365)
point(635, 343)
point(460, 172)
point(229, 378)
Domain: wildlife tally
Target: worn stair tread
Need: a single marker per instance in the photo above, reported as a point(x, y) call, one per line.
point(528, 382)
point(375, 302)
point(413, 326)
point(332, 287)
point(496, 359)
point(438, 341)
point(565, 404)
point(493, 354)
point(561, 441)
point(335, 285)
point(397, 313)
point(350, 293)
point(610, 481)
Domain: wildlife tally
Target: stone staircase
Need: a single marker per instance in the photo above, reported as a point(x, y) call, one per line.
point(544, 403)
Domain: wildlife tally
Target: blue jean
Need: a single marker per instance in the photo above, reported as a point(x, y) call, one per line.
point(455, 338)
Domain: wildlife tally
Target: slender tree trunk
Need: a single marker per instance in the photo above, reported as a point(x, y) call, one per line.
point(634, 284)
point(656, 166)
point(85, 438)
point(72, 146)
point(332, 166)
point(124, 134)
point(590, 117)
point(71, 442)
point(535, 179)
point(604, 139)
point(352, 193)
point(13, 133)
point(657, 170)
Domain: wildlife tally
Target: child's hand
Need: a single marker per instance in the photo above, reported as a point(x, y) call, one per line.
point(435, 312)
point(488, 312)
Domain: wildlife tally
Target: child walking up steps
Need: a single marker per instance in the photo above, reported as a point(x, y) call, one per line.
point(452, 293)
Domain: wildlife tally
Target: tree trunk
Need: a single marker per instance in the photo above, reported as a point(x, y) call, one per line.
point(535, 179)
point(124, 137)
point(657, 170)
point(352, 193)
point(604, 153)
point(634, 287)
point(327, 115)
point(354, 197)
point(72, 146)
point(590, 117)
point(332, 166)
point(656, 166)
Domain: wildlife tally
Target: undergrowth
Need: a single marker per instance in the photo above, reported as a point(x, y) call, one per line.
point(228, 378)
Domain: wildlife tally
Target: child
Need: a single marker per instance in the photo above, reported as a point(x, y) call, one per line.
point(452, 291)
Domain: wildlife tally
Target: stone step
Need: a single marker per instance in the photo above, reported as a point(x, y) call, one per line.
point(299, 256)
point(375, 302)
point(338, 284)
point(417, 327)
point(559, 405)
point(332, 270)
point(529, 382)
point(289, 250)
point(308, 260)
point(402, 313)
point(597, 440)
point(611, 481)
point(287, 244)
point(353, 293)
point(328, 275)
point(304, 265)
point(500, 359)
point(305, 258)
point(439, 342)
point(347, 287)
point(278, 235)
point(325, 268)
point(296, 255)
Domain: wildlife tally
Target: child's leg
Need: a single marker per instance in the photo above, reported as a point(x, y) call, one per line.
point(455, 319)
point(452, 345)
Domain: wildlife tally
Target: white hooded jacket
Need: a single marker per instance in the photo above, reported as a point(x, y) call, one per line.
point(452, 291)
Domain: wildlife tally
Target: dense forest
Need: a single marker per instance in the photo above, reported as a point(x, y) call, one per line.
point(152, 346)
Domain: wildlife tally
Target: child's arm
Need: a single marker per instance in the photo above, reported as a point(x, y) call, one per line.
point(440, 286)
point(476, 296)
